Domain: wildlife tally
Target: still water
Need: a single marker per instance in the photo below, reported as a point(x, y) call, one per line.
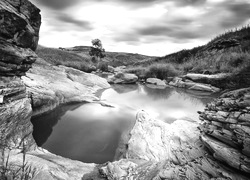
point(91, 132)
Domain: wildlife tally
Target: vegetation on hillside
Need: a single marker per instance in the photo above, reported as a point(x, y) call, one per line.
point(78, 57)
point(97, 52)
point(66, 58)
point(226, 53)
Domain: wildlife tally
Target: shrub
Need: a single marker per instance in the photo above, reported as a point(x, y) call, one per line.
point(138, 71)
point(161, 71)
point(103, 66)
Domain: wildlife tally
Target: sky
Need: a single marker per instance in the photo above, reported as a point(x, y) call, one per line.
point(150, 27)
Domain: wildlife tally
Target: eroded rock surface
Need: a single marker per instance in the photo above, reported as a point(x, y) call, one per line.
point(226, 129)
point(123, 78)
point(50, 86)
point(52, 167)
point(157, 150)
point(191, 85)
point(156, 81)
point(19, 28)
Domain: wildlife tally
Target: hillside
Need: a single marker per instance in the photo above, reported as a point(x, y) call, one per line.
point(78, 57)
point(226, 53)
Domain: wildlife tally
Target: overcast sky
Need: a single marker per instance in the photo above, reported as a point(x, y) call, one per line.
point(151, 27)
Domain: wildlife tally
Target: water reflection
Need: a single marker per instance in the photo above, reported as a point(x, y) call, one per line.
point(166, 104)
point(91, 132)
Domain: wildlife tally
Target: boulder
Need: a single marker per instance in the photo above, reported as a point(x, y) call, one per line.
point(225, 129)
point(123, 78)
point(190, 85)
point(155, 81)
point(111, 69)
point(205, 77)
point(119, 68)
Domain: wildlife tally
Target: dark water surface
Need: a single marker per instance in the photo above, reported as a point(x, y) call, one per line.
point(91, 132)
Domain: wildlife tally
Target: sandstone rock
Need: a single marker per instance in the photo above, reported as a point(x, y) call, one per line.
point(204, 77)
point(190, 85)
point(54, 167)
point(157, 150)
point(123, 78)
point(15, 60)
point(49, 86)
point(155, 81)
point(232, 133)
point(19, 28)
point(20, 23)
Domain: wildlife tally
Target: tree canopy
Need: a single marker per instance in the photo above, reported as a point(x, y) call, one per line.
point(97, 51)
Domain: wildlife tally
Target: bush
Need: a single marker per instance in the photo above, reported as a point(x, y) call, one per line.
point(103, 66)
point(161, 71)
point(138, 71)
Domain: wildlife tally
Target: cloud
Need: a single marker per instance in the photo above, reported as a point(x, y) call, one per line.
point(65, 18)
point(206, 22)
point(64, 4)
point(57, 4)
point(240, 12)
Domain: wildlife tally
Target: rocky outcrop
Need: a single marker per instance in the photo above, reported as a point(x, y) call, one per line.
point(226, 129)
point(156, 81)
point(19, 28)
point(52, 167)
point(157, 150)
point(49, 86)
point(41, 89)
point(191, 85)
point(123, 78)
point(20, 23)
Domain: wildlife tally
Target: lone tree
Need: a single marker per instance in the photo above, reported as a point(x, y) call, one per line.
point(96, 51)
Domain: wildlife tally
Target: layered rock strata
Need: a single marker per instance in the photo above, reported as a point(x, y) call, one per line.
point(191, 85)
point(19, 29)
point(49, 86)
point(157, 150)
point(226, 129)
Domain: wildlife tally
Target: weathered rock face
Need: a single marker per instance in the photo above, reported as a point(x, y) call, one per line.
point(48, 86)
point(157, 150)
point(123, 78)
point(226, 129)
point(19, 28)
point(20, 23)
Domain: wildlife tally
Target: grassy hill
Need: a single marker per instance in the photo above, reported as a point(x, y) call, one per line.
point(226, 53)
point(78, 57)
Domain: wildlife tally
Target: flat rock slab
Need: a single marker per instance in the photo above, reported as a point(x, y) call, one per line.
point(50, 86)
